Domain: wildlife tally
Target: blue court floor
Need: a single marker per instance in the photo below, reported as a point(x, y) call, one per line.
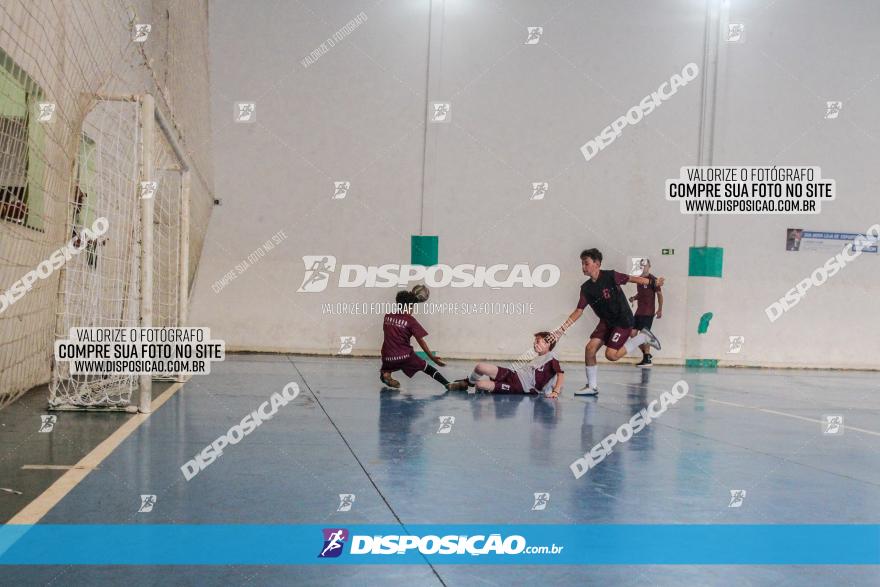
point(755, 430)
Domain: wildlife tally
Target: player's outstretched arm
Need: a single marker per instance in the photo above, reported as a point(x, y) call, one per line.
point(572, 318)
point(657, 281)
point(429, 352)
point(557, 387)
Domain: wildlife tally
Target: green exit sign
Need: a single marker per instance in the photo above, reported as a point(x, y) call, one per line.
point(668, 251)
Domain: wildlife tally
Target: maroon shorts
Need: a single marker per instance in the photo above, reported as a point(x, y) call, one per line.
point(614, 338)
point(507, 381)
point(409, 365)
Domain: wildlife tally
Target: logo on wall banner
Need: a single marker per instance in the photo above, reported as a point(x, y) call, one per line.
point(319, 268)
point(334, 540)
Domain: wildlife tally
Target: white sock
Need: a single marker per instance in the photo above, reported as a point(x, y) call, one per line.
point(634, 342)
point(592, 376)
point(473, 378)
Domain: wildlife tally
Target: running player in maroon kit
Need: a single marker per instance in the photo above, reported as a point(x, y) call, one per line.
point(602, 292)
point(397, 352)
point(644, 317)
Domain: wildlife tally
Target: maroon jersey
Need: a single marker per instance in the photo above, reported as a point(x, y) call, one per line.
point(546, 373)
point(398, 329)
point(607, 299)
point(645, 296)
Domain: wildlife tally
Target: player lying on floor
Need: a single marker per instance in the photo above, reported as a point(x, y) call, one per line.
point(541, 373)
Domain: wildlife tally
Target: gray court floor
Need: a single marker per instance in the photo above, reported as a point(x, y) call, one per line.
point(755, 430)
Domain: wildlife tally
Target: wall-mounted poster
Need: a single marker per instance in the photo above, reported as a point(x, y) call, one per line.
point(798, 239)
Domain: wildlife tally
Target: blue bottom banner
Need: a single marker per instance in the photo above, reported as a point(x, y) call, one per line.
point(538, 544)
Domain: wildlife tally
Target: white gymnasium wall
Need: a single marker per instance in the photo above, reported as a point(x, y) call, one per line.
point(354, 115)
point(519, 114)
point(797, 56)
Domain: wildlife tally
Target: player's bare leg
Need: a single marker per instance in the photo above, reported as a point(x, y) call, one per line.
point(474, 378)
point(645, 338)
point(485, 384)
point(615, 354)
point(486, 369)
point(590, 352)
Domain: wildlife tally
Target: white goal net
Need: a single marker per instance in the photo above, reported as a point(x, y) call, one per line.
point(75, 145)
point(129, 175)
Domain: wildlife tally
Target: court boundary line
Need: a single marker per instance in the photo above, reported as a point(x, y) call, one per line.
point(760, 409)
point(34, 511)
point(870, 369)
point(49, 467)
point(360, 464)
point(782, 457)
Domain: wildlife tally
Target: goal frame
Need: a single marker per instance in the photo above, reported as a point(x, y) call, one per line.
point(150, 116)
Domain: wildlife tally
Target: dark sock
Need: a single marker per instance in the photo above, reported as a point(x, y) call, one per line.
point(435, 374)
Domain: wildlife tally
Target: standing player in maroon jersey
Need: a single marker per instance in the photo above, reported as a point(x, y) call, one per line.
point(602, 292)
point(397, 352)
point(644, 317)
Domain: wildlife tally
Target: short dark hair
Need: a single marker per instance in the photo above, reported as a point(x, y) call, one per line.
point(594, 254)
point(547, 337)
point(406, 298)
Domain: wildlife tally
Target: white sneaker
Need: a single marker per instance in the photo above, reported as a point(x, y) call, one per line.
point(587, 390)
point(652, 340)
